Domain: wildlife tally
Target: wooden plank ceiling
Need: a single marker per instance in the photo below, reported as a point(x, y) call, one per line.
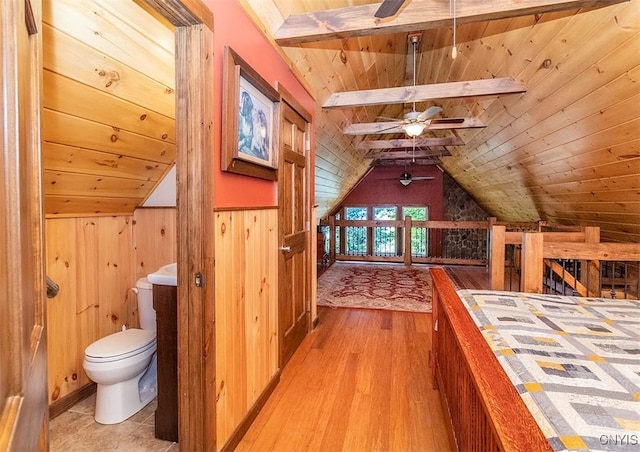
point(108, 122)
point(566, 151)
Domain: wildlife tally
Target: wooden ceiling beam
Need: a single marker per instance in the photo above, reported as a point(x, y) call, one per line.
point(354, 21)
point(405, 154)
point(408, 143)
point(398, 162)
point(373, 128)
point(421, 93)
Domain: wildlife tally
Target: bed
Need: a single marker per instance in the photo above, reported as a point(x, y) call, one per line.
point(536, 372)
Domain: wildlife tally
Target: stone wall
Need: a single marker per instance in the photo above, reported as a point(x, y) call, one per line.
point(459, 206)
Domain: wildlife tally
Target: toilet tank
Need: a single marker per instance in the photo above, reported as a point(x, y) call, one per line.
point(146, 313)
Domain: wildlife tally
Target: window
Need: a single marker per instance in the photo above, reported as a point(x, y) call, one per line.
point(382, 241)
point(337, 250)
point(385, 237)
point(419, 240)
point(356, 236)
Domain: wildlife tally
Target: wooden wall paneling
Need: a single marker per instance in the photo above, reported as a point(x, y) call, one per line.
point(117, 302)
point(71, 159)
point(335, 165)
point(271, 16)
point(109, 85)
point(582, 194)
point(246, 312)
point(554, 137)
point(75, 60)
point(111, 32)
point(91, 259)
point(72, 206)
point(261, 234)
point(475, 51)
point(86, 324)
point(599, 163)
point(102, 137)
point(70, 97)
point(372, 76)
point(157, 30)
point(62, 312)
point(545, 36)
point(561, 84)
point(535, 155)
point(155, 239)
point(86, 185)
point(227, 288)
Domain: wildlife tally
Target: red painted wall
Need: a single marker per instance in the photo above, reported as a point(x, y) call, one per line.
point(382, 186)
point(232, 27)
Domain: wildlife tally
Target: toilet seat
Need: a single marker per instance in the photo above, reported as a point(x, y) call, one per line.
point(120, 345)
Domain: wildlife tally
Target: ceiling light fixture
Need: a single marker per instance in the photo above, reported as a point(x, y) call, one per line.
point(414, 129)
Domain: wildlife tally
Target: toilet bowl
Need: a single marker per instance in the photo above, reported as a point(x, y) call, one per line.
point(123, 365)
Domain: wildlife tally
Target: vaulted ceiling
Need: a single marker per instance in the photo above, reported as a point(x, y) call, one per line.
point(567, 150)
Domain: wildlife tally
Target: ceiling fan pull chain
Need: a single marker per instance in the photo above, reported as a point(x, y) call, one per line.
point(413, 157)
point(452, 10)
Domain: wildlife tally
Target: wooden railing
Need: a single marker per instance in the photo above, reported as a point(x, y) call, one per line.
point(558, 261)
point(445, 242)
point(485, 410)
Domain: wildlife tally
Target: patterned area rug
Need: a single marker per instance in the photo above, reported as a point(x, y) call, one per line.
point(376, 286)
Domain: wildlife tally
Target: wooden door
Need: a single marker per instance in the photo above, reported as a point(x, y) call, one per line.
point(293, 194)
point(23, 360)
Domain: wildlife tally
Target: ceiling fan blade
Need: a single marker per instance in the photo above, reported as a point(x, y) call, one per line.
point(429, 112)
point(388, 8)
point(423, 177)
point(392, 127)
point(447, 121)
point(386, 118)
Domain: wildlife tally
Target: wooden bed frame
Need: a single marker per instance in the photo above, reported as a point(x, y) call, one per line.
point(485, 410)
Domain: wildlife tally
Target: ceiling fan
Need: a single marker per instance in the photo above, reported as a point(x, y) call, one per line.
point(414, 122)
point(406, 178)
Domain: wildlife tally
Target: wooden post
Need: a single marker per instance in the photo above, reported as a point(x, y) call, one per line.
point(332, 239)
point(532, 262)
point(407, 241)
point(497, 235)
point(591, 235)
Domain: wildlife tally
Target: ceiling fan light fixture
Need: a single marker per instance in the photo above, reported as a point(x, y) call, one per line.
point(414, 129)
point(405, 179)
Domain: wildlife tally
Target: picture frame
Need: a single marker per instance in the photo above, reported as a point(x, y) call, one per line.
point(250, 118)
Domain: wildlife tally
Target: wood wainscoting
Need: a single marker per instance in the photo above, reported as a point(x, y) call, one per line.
point(96, 261)
point(246, 288)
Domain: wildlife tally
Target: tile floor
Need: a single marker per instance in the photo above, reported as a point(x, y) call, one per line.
point(77, 430)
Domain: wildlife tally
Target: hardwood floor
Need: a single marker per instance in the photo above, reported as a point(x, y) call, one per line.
point(359, 382)
point(468, 277)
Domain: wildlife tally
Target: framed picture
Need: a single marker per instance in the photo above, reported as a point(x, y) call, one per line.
point(250, 108)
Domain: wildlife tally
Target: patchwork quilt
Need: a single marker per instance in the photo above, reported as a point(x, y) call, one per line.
point(575, 362)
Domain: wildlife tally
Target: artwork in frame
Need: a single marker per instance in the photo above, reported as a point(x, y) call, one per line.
point(250, 108)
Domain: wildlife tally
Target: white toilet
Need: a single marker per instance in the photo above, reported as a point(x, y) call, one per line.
point(123, 364)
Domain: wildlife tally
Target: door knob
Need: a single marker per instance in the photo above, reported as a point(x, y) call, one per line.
point(285, 248)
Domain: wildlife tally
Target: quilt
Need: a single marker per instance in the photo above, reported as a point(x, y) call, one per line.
point(574, 361)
